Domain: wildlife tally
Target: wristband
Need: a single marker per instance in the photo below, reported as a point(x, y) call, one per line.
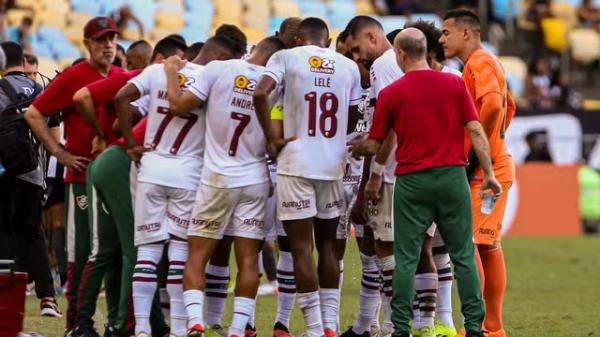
point(377, 168)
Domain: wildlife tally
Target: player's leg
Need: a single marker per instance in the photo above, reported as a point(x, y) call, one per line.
point(247, 227)
point(380, 220)
point(330, 206)
point(414, 211)
point(444, 324)
point(454, 221)
point(287, 286)
point(426, 284)
point(206, 228)
point(150, 236)
point(217, 282)
point(487, 229)
point(78, 244)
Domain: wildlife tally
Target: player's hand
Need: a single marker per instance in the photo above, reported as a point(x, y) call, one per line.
point(98, 145)
point(359, 213)
point(361, 147)
point(174, 63)
point(273, 148)
point(136, 152)
point(373, 187)
point(76, 163)
point(490, 183)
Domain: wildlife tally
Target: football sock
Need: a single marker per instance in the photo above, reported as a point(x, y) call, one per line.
point(287, 288)
point(243, 308)
point(311, 310)
point(145, 284)
point(178, 251)
point(444, 291)
point(330, 306)
point(217, 280)
point(194, 302)
point(426, 285)
point(495, 270)
point(369, 294)
point(387, 272)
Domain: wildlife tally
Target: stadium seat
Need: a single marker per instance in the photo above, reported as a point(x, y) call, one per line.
point(392, 22)
point(514, 66)
point(429, 17)
point(78, 19)
point(515, 84)
point(505, 9)
point(47, 66)
point(195, 34)
point(313, 8)
point(15, 16)
point(254, 35)
point(585, 45)
point(48, 18)
point(286, 8)
point(566, 12)
point(364, 7)
point(555, 33)
point(169, 20)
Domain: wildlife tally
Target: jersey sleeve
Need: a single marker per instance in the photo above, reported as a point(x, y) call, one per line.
point(468, 109)
point(356, 89)
point(205, 79)
point(382, 118)
point(276, 67)
point(144, 79)
point(58, 95)
point(103, 91)
point(383, 74)
point(486, 80)
point(143, 105)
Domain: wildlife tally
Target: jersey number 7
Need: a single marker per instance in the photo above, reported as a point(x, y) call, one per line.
point(191, 120)
point(244, 121)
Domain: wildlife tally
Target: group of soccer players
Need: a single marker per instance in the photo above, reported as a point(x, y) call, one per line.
point(230, 149)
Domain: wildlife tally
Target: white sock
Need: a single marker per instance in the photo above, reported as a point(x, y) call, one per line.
point(426, 285)
point(416, 312)
point(178, 251)
point(369, 295)
point(387, 272)
point(341, 262)
point(330, 306)
point(251, 321)
point(287, 288)
point(261, 266)
point(165, 306)
point(340, 287)
point(144, 285)
point(311, 310)
point(243, 308)
point(217, 280)
point(444, 291)
point(194, 303)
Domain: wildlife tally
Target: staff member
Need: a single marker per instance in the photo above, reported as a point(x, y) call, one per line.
point(431, 184)
point(100, 39)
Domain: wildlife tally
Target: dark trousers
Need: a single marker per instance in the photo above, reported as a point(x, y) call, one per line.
point(21, 236)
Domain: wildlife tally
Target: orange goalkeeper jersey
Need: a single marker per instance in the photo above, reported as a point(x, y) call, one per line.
point(483, 75)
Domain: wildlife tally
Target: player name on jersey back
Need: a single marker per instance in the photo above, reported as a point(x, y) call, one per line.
point(319, 86)
point(177, 142)
point(235, 142)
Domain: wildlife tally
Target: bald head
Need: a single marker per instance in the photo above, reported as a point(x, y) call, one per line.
point(413, 43)
point(288, 31)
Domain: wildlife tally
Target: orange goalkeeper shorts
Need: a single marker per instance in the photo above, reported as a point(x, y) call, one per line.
point(487, 228)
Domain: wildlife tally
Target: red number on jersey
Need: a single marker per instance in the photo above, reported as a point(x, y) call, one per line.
point(191, 120)
point(328, 103)
point(244, 121)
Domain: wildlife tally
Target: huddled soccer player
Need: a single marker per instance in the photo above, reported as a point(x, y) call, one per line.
point(223, 147)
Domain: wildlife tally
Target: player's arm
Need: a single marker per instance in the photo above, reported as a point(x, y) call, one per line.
point(481, 147)
point(84, 103)
point(263, 89)
point(39, 127)
point(358, 213)
point(123, 99)
point(180, 102)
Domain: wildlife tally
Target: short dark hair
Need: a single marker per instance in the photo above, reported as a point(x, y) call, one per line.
point(270, 45)
point(289, 23)
point(168, 47)
point(193, 51)
point(223, 42)
point(14, 54)
point(432, 35)
point(392, 35)
point(415, 48)
point(139, 43)
point(120, 48)
point(235, 35)
point(360, 22)
point(342, 37)
point(313, 27)
point(464, 16)
point(30, 58)
point(177, 37)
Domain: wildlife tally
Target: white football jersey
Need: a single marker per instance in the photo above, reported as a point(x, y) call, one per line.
point(177, 142)
point(451, 70)
point(319, 86)
point(384, 71)
point(235, 142)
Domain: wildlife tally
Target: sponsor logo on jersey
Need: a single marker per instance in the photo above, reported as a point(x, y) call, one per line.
point(82, 202)
point(184, 81)
point(244, 85)
point(321, 65)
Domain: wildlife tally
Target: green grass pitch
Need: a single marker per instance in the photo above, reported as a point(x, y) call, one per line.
point(553, 291)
